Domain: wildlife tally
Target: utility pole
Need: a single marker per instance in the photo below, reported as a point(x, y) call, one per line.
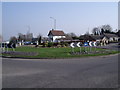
point(54, 22)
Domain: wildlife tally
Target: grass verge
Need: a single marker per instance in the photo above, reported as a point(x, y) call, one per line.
point(59, 52)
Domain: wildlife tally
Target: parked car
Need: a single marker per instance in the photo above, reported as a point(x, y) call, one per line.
point(27, 43)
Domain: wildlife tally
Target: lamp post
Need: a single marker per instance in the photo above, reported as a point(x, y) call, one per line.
point(54, 22)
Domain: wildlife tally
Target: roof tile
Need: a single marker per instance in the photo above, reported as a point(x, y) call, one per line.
point(56, 33)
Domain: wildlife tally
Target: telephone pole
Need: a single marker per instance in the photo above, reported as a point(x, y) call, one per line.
point(54, 22)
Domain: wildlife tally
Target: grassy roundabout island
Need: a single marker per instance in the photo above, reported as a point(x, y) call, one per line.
point(63, 52)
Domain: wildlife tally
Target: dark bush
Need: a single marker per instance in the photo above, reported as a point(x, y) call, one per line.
point(44, 44)
point(66, 44)
point(50, 44)
point(55, 44)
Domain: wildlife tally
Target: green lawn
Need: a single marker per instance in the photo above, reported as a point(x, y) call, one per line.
point(59, 52)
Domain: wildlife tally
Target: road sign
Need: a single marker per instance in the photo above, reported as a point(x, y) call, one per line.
point(94, 43)
point(91, 44)
point(12, 45)
point(72, 45)
point(78, 44)
point(9, 46)
point(86, 44)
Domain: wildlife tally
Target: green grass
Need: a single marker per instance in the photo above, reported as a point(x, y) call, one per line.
point(58, 52)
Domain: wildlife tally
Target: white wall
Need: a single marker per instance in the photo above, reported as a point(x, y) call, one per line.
point(113, 39)
point(57, 37)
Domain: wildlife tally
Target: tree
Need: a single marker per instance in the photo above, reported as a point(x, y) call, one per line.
point(39, 38)
point(21, 37)
point(118, 33)
point(13, 39)
point(106, 29)
point(72, 35)
point(102, 29)
point(87, 33)
point(96, 31)
point(25, 37)
point(29, 36)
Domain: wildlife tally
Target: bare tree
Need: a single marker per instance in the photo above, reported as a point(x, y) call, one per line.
point(102, 29)
point(27, 37)
point(96, 31)
point(106, 29)
point(71, 34)
point(87, 33)
point(21, 37)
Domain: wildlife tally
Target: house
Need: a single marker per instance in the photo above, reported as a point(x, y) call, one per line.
point(111, 37)
point(101, 39)
point(55, 34)
point(86, 38)
point(105, 38)
point(97, 38)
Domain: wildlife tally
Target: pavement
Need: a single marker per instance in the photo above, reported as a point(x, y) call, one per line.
point(92, 72)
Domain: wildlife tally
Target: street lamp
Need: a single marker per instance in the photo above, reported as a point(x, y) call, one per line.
point(54, 22)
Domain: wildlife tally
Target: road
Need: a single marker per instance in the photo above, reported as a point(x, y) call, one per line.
point(92, 72)
point(113, 46)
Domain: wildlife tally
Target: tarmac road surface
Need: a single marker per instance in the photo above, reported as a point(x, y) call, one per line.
point(90, 72)
point(112, 46)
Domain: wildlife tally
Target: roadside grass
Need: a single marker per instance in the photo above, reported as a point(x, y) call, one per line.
point(64, 52)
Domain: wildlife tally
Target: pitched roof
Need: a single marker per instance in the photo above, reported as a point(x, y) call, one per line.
point(56, 33)
point(96, 37)
point(86, 37)
point(110, 35)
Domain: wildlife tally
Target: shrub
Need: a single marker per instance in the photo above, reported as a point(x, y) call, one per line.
point(66, 44)
point(45, 44)
point(50, 44)
point(55, 44)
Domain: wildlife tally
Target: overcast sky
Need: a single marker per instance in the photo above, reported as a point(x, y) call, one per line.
point(77, 17)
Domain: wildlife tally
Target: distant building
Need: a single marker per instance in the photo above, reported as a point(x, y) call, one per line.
point(97, 37)
point(25, 37)
point(43, 40)
point(55, 34)
point(86, 38)
point(111, 37)
point(103, 39)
